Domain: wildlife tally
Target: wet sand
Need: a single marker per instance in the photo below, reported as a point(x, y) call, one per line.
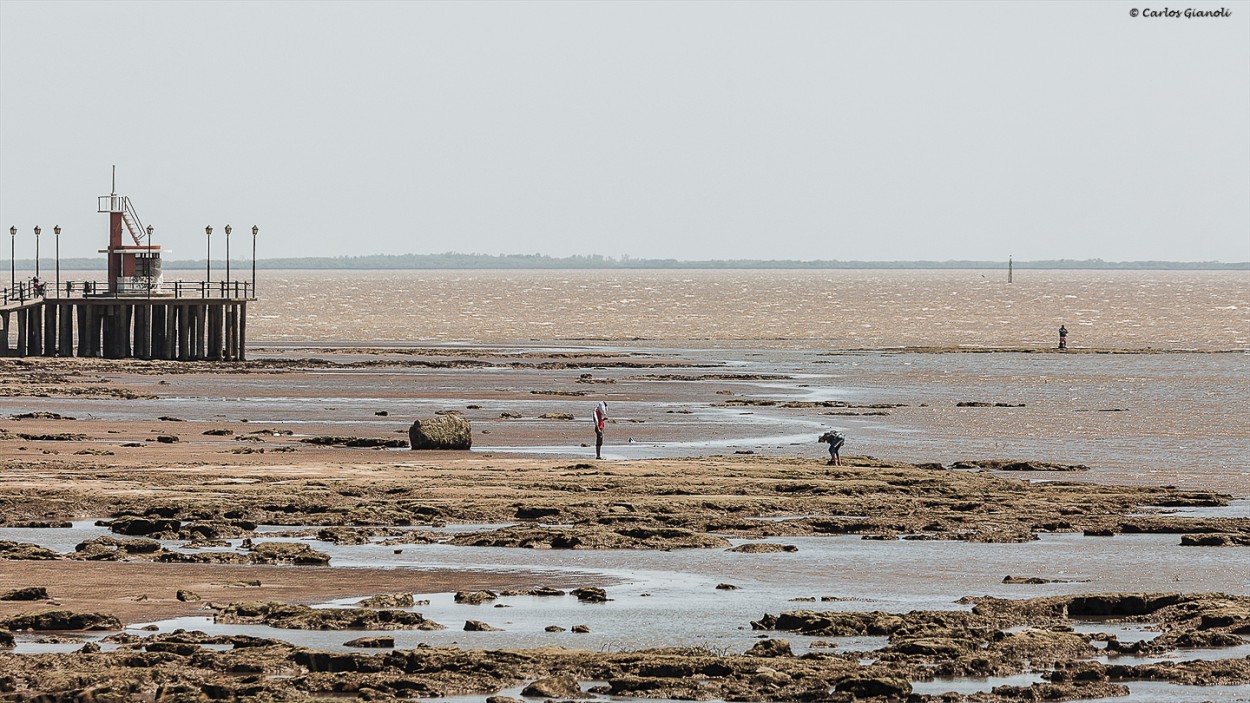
point(720, 451)
point(144, 592)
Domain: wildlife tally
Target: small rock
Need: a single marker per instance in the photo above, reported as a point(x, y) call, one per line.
point(770, 648)
point(726, 587)
point(884, 686)
point(581, 629)
point(771, 677)
point(371, 642)
point(762, 548)
point(475, 597)
point(554, 687)
point(591, 595)
point(478, 626)
point(28, 593)
point(188, 596)
point(553, 628)
point(388, 600)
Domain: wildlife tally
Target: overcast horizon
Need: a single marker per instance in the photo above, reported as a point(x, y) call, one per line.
point(892, 131)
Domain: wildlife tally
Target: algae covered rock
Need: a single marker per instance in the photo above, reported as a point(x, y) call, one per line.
point(449, 431)
point(479, 626)
point(878, 686)
point(771, 648)
point(371, 643)
point(388, 600)
point(762, 548)
point(590, 537)
point(133, 525)
point(23, 550)
point(288, 553)
point(302, 617)
point(61, 620)
point(27, 593)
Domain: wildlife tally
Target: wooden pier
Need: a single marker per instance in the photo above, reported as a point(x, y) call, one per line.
point(180, 321)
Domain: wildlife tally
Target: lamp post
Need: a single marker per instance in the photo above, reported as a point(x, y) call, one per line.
point(151, 277)
point(38, 231)
point(208, 261)
point(13, 259)
point(227, 257)
point(57, 231)
point(255, 230)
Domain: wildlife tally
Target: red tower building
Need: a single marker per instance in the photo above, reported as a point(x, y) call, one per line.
point(133, 270)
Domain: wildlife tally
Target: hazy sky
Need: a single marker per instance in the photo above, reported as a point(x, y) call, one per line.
point(888, 130)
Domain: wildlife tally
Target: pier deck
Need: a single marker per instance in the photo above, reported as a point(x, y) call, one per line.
point(182, 321)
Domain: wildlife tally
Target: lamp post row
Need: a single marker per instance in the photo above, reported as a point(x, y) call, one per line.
point(13, 255)
point(208, 236)
point(208, 263)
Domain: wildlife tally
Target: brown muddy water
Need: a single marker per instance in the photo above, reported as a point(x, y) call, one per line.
point(839, 309)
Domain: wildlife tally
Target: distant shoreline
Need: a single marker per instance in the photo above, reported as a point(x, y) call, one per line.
point(453, 261)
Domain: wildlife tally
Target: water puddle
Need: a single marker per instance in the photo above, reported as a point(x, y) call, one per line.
point(1124, 632)
point(587, 696)
point(1178, 655)
point(1234, 509)
point(28, 643)
point(58, 539)
point(970, 685)
point(1163, 692)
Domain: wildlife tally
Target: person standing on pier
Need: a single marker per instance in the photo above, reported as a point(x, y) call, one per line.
point(1063, 337)
point(600, 417)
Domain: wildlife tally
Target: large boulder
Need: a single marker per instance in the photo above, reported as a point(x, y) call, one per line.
point(450, 431)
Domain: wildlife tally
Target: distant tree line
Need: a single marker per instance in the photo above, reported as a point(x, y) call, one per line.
point(455, 260)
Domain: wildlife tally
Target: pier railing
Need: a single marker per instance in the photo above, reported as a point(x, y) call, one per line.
point(26, 292)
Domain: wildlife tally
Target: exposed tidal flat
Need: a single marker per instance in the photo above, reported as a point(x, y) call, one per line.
point(1012, 523)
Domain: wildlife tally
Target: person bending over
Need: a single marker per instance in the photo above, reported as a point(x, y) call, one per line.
point(835, 440)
